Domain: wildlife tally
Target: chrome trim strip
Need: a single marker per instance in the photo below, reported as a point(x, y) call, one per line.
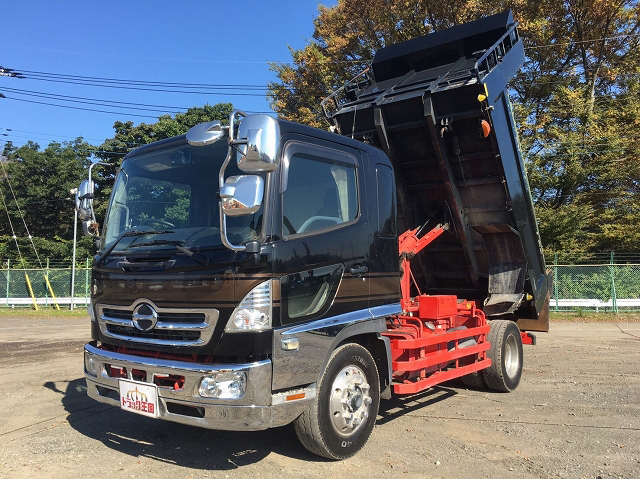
point(386, 310)
point(309, 392)
point(116, 321)
point(158, 342)
point(205, 328)
point(168, 363)
point(183, 326)
point(350, 317)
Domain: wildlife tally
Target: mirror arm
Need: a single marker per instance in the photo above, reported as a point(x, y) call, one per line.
point(223, 217)
point(91, 196)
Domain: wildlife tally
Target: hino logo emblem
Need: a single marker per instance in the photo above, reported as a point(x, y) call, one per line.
point(145, 317)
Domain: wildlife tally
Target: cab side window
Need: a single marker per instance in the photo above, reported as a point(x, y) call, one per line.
point(320, 192)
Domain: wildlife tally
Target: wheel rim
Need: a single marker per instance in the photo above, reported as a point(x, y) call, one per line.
point(350, 400)
point(511, 357)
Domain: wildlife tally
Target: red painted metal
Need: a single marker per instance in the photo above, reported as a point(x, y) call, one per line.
point(436, 338)
point(439, 377)
point(528, 338)
point(410, 245)
point(439, 338)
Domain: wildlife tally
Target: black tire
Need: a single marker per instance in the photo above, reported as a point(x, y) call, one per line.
point(350, 385)
point(506, 356)
point(474, 380)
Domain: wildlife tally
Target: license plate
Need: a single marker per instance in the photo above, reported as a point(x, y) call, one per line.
point(141, 398)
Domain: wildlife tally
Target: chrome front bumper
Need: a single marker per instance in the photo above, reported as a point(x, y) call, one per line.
point(258, 409)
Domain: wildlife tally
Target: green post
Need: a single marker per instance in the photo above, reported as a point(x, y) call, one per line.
point(8, 278)
point(555, 278)
point(612, 268)
point(86, 283)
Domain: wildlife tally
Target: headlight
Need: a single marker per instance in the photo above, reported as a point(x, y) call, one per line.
point(89, 365)
point(254, 311)
point(224, 385)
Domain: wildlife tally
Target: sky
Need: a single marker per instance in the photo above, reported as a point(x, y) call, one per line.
point(202, 42)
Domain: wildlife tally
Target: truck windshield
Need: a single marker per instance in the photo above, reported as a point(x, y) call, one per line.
point(174, 191)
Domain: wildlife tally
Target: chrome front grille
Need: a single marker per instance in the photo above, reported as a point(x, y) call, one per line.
point(173, 326)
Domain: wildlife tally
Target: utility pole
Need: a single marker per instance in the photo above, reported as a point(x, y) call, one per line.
point(73, 261)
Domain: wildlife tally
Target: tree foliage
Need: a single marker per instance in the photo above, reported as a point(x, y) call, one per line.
point(42, 178)
point(35, 188)
point(576, 100)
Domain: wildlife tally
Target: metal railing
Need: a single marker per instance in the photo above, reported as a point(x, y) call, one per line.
point(601, 285)
point(23, 284)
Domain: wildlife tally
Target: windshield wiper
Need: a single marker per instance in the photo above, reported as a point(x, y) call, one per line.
point(203, 260)
point(124, 235)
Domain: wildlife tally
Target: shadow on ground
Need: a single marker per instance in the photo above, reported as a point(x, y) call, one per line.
point(400, 405)
point(196, 447)
point(169, 442)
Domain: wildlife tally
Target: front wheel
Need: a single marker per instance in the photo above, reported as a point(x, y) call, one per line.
point(339, 421)
point(506, 356)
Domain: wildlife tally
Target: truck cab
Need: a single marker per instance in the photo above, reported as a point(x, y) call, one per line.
point(233, 311)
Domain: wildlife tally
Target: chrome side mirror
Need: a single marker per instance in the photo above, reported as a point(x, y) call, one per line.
point(258, 142)
point(84, 204)
point(242, 195)
point(84, 200)
point(205, 133)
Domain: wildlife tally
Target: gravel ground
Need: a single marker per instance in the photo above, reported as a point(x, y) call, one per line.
point(575, 415)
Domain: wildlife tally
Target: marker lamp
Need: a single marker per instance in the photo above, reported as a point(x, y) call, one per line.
point(254, 311)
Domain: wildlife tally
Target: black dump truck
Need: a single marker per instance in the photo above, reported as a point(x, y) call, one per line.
point(262, 273)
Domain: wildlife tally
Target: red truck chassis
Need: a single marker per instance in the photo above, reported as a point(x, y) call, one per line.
point(437, 338)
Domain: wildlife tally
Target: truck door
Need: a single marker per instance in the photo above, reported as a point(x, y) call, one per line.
point(322, 258)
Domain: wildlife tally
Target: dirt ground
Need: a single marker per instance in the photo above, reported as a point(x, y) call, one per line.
point(576, 414)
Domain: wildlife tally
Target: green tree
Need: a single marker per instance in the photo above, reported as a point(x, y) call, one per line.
point(34, 186)
point(41, 180)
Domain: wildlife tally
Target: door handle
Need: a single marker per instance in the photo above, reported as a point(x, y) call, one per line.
point(358, 269)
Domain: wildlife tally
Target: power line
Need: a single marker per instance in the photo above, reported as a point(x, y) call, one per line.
point(91, 101)
point(162, 90)
point(26, 92)
point(35, 250)
point(80, 108)
point(144, 82)
point(121, 83)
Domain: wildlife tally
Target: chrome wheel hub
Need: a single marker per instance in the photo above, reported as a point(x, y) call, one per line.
point(350, 400)
point(511, 357)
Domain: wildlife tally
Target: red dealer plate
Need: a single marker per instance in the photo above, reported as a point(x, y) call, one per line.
point(141, 398)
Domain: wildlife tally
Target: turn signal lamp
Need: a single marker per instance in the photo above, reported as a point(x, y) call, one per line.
point(254, 311)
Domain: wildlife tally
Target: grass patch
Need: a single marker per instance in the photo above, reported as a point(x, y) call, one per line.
point(44, 313)
point(583, 315)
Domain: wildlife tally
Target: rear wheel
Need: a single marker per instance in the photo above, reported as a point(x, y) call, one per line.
point(340, 420)
point(506, 356)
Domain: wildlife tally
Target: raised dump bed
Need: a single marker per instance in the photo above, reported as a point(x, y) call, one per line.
point(438, 106)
